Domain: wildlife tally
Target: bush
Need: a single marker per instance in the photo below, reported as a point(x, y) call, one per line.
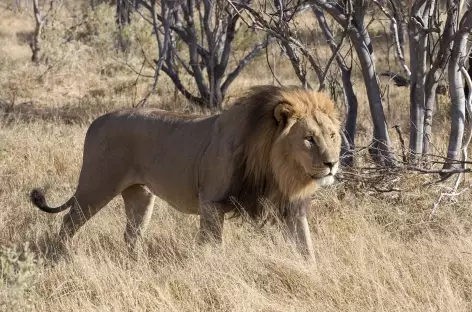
point(19, 269)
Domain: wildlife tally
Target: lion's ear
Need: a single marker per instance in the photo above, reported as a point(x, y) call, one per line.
point(282, 113)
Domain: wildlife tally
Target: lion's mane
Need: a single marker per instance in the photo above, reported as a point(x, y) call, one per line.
point(255, 177)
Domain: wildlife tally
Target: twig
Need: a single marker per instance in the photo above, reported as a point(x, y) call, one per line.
point(243, 62)
point(420, 23)
point(134, 70)
point(398, 49)
point(280, 31)
point(432, 171)
point(270, 67)
point(418, 169)
point(402, 142)
point(136, 83)
point(162, 47)
point(336, 50)
point(389, 190)
point(451, 194)
point(331, 59)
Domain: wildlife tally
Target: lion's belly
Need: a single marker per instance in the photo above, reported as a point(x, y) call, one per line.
point(173, 181)
point(171, 178)
point(178, 199)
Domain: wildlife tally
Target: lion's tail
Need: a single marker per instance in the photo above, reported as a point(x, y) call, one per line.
point(38, 199)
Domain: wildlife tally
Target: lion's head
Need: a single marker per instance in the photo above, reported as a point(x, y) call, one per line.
point(292, 142)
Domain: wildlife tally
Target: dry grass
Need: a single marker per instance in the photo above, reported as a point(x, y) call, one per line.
point(374, 252)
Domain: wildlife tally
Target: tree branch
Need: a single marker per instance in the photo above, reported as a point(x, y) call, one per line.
point(242, 63)
point(162, 47)
point(178, 84)
point(230, 34)
point(398, 48)
point(334, 47)
point(193, 51)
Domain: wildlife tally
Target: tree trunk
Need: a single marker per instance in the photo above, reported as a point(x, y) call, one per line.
point(123, 11)
point(430, 102)
point(436, 71)
point(36, 43)
point(351, 118)
point(418, 57)
point(402, 29)
point(456, 89)
point(381, 148)
point(123, 14)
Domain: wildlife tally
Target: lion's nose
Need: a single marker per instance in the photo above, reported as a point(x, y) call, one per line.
point(330, 164)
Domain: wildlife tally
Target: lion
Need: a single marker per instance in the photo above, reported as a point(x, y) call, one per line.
point(274, 145)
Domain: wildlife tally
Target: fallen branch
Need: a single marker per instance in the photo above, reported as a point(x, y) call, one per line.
point(451, 194)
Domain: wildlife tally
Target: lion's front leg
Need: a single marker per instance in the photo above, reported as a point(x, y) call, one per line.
point(304, 242)
point(211, 222)
point(298, 231)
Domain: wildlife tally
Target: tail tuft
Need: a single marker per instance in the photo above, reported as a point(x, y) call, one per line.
point(38, 199)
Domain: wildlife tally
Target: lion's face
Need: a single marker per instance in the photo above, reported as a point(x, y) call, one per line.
point(306, 154)
point(315, 146)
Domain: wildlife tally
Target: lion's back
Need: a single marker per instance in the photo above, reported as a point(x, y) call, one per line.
point(144, 123)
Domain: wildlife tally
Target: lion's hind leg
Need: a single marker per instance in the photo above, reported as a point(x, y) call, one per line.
point(139, 204)
point(85, 205)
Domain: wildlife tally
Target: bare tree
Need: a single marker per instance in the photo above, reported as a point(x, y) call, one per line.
point(456, 86)
point(398, 29)
point(430, 44)
point(207, 29)
point(430, 52)
point(122, 18)
point(436, 71)
point(434, 47)
point(351, 15)
point(40, 20)
point(419, 26)
point(16, 5)
point(277, 19)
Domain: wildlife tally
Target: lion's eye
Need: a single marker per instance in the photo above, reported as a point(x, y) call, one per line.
point(332, 135)
point(310, 139)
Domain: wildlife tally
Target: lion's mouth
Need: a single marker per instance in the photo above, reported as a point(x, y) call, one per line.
point(321, 173)
point(314, 177)
point(323, 180)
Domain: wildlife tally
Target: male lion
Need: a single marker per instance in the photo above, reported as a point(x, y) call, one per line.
point(275, 145)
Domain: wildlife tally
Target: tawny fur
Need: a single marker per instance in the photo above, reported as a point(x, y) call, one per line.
point(255, 152)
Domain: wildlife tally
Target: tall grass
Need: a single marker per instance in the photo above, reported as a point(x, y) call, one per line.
point(374, 252)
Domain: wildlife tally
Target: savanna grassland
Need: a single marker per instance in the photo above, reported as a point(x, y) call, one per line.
point(375, 251)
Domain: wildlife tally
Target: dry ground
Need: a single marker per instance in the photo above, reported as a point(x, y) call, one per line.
point(374, 252)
